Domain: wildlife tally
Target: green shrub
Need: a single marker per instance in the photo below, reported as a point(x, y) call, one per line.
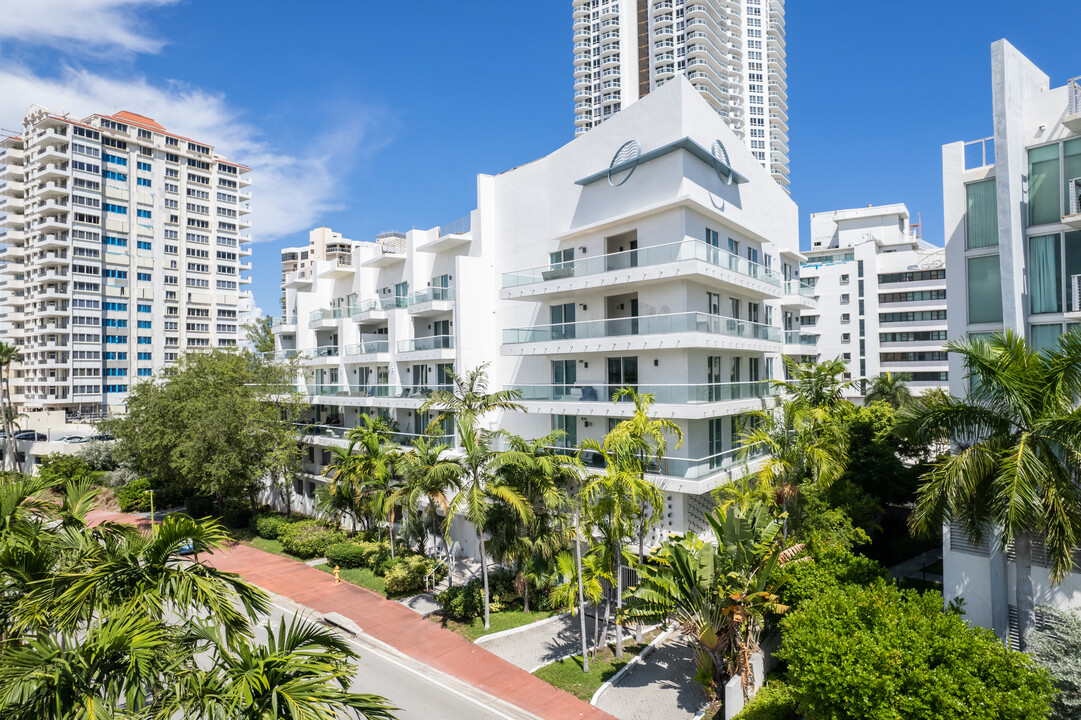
point(62, 468)
point(309, 538)
point(268, 525)
point(775, 701)
point(881, 652)
point(201, 507)
point(236, 516)
point(407, 575)
point(462, 603)
point(134, 497)
point(829, 569)
point(347, 554)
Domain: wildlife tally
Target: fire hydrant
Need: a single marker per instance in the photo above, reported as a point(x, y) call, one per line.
point(337, 574)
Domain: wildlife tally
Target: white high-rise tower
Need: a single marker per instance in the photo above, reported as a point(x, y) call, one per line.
point(732, 51)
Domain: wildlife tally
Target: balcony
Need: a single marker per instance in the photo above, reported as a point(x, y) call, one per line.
point(1073, 189)
point(342, 267)
point(368, 350)
point(299, 279)
point(689, 329)
point(326, 319)
point(432, 301)
point(392, 250)
point(450, 236)
point(674, 401)
point(321, 354)
point(367, 311)
point(283, 355)
point(1072, 119)
point(437, 345)
point(394, 303)
point(283, 324)
point(799, 294)
point(646, 264)
point(797, 343)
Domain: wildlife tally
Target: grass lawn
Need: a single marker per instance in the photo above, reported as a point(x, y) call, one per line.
point(363, 577)
point(248, 537)
point(567, 674)
point(498, 621)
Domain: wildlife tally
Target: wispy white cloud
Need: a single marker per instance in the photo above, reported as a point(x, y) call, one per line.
point(81, 25)
point(292, 187)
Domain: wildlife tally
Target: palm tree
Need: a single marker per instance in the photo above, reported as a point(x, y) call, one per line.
point(581, 582)
point(646, 438)
point(615, 500)
point(479, 487)
point(343, 494)
point(799, 444)
point(430, 475)
point(8, 354)
point(1017, 457)
point(376, 463)
point(302, 673)
point(814, 385)
point(469, 398)
point(719, 595)
point(542, 477)
point(891, 388)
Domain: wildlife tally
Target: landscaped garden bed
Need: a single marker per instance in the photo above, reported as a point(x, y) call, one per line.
point(567, 674)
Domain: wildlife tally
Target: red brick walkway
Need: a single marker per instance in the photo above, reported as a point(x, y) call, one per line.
point(399, 627)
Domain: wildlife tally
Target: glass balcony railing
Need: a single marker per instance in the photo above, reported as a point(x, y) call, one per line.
point(322, 351)
point(283, 354)
point(432, 342)
point(677, 467)
point(795, 337)
point(393, 303)
point(431, 295)
point(797, 287)
point(363, 307)
point(673, 394)
point(644, 325)
point(368, 347)
point(283, 320)
point(648, 256)
point(327, 314)
point(325, 389)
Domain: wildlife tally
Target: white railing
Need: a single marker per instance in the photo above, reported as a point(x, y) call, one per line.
point(1073, 101)
point(979, 153)
point(1073, 187)
point(1075, 293)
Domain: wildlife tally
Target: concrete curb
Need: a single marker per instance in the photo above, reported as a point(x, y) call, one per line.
point(520, 628)
point(636, 660)
point(701, 713)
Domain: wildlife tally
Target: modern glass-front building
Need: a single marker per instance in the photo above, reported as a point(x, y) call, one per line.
point(1013, 234)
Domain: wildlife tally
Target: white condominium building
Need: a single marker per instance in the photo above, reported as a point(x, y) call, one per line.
point(881, 294)
point(641, 254)
point(1013, 249)
point(732, 51)
point(123, 246)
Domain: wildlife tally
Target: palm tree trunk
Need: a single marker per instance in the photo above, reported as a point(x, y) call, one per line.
point(484, 574)
point(390, 530)
point(619, 601)
point(9, 422)
point(1026, 608)
point(581, 592)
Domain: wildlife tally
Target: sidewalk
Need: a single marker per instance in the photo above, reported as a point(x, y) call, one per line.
point(661, 687)
point(397, 626)
point(540, 645)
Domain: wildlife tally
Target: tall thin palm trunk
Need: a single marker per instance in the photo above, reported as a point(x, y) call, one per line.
point(484, 574)
point(9, 422)
point(619, 602)
point(581, 591)
point(390, 530)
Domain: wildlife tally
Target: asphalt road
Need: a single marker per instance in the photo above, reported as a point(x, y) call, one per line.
point(408, 685)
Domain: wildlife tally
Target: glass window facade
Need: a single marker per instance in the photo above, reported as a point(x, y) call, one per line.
point(984, 290)
point(1045, 274)
point(981, 214)
point(1071, 168)
point(1044, 336)
point(1044, 196)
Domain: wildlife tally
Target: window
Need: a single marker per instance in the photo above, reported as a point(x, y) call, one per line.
point(916, 296)
point(142, 277)
point(119, 242)
point(144, 324)
point(86, 167)
point(116, 339)
point(143, 308)
point(145, 372)
point(113, 142)
point(116, 306)
point(144, 134)
point(143, 355)
point(118, 274)
point(918, 316)
point(981, 215)
point(905, 337)
point(143, 213)
point(114, 159)
point(1045, 274)
point(116, 388)
point(144, 166)
point(144, 340)
point(172, 141)
point(846, 337)
point(116, 372)
point(143, 245)
point(984, 290)
point(1044, 197)
point(145, 182)
point(927, 356)
point(114, 322)
point(118, 209)
point(844, 299)
point(846, 317)
point(912, 276)
point(844, 279)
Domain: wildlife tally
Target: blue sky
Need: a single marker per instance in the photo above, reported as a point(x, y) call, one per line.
point(367, 117)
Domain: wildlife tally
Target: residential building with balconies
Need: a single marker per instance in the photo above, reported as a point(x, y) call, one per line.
point(732, 51)
point(642, 254)
point(1013, 251)
point(124, 246)
point(881, 297)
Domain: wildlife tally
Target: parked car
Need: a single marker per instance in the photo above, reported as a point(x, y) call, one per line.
point(74, 439)
point(32, 435)
point(106, 436)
